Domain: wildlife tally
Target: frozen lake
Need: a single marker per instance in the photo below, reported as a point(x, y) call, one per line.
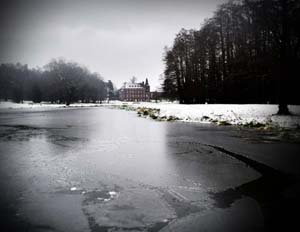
point(100, 169)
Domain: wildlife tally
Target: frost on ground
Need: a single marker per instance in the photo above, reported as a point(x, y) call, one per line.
point(252, 115)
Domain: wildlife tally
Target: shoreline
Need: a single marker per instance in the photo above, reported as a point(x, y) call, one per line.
point(260, 116)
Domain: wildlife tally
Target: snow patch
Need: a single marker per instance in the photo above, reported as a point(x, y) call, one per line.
point(73, 189)
point(112, 193)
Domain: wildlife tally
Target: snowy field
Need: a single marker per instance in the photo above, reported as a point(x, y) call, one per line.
point(223, 114)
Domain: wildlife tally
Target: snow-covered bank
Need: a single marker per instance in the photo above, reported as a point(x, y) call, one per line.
point(246, 115)
point(47, 105)
point(27, 105)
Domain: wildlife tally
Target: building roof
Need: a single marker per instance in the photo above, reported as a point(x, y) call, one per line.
point(132, 86)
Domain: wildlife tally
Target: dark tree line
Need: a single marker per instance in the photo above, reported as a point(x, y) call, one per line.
point(59, 82)
point(248, 52)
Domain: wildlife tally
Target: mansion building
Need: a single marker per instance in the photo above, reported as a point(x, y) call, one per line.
point(135, 91)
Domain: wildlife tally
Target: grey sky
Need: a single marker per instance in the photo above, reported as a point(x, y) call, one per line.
point(116, 38)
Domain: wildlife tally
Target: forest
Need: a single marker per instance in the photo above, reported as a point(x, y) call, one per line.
point(58, 82)
point(247, 52)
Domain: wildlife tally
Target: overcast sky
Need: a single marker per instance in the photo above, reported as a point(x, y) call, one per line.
point(116, 38)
